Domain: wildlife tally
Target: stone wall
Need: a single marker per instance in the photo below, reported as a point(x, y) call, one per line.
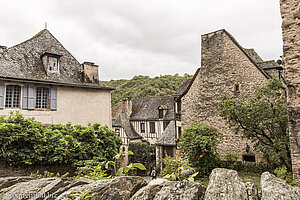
point(9, 171)
point(290, 12)
point(224, 64)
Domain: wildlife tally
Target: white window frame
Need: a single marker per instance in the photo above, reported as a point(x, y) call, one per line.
point(53, 60)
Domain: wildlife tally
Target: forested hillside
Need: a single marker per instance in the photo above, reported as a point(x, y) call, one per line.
point(144, 86)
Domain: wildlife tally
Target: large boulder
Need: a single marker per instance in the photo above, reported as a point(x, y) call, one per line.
point(225, 184)
point(161, 189)
point(47, 188)
point(9, 181)
point(274, 188)
point(120, 188)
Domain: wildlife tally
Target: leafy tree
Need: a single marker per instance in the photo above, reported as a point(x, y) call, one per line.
point(144, 86)
point(263, 119)
point(198, 143)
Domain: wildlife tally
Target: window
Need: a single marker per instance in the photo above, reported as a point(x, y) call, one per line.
point(117, 131)
point(165, 124)
point(160, 113)
point(179, 130)
point(53, 64)
point(179, 106)
point(236, 88)
point(42, 98)
point(142, 127)
point(248, 158)
point(12, 99)
point(152, 127)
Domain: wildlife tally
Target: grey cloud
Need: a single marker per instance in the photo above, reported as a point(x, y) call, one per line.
point(132, 37)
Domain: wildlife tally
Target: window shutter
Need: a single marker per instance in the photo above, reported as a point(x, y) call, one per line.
point(25, 97)
point(31, 97)
point(2, 90)
point(53, 98)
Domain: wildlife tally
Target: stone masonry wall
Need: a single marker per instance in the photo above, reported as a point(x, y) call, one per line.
point(223, 64)
point(290, 12)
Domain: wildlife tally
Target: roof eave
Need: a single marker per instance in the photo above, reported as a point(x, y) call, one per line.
point(55, 83)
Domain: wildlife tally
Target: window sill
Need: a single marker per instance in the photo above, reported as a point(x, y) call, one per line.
point(40, 109)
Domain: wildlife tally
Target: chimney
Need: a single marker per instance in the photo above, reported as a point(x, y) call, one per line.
point(127, 106)
point(89, 72)
point(2, 48)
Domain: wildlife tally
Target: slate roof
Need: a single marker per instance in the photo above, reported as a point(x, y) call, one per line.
point(23, 62)
point(270, 67)
point(253, 55)
point(147, 108)
point(182, 88)
point(122, 120)
point(168, 138)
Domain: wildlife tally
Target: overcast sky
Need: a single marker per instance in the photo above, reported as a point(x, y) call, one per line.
point(143, 37)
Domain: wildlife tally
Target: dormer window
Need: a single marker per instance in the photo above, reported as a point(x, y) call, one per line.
point(53, 64)
point(162, 111)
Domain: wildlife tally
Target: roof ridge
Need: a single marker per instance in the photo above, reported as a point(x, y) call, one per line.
point(165, 96)
point(36, 35)
point(220, 30)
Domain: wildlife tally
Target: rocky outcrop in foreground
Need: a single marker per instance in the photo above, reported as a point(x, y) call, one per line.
point(110, 189)
point(223, 184)
point(274, 188)
point(226, 185)
point(162, 189)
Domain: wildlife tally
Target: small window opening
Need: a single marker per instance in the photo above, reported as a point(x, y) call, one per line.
point(142, 127)
point(236, 87)
point(179, 106)
point(160, 113)
point(248, 158)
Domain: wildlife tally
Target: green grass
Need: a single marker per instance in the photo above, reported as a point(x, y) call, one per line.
point(250, 177)
point(204, 181)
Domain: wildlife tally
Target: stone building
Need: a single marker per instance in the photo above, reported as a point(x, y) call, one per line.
point(290, 12)
point(226, 68)
point(41, 79)
point(152, 119)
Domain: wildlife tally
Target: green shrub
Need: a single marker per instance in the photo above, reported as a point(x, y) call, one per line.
point(231, 159)
point(174, 167)
point(48, 174)
point(172, 164)
point(93, 169)
point(24, 141)
point(142, 153)
point(198, 143)
point(282, 173)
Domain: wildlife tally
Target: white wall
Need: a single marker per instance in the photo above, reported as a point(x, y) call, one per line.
point(77, 105)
